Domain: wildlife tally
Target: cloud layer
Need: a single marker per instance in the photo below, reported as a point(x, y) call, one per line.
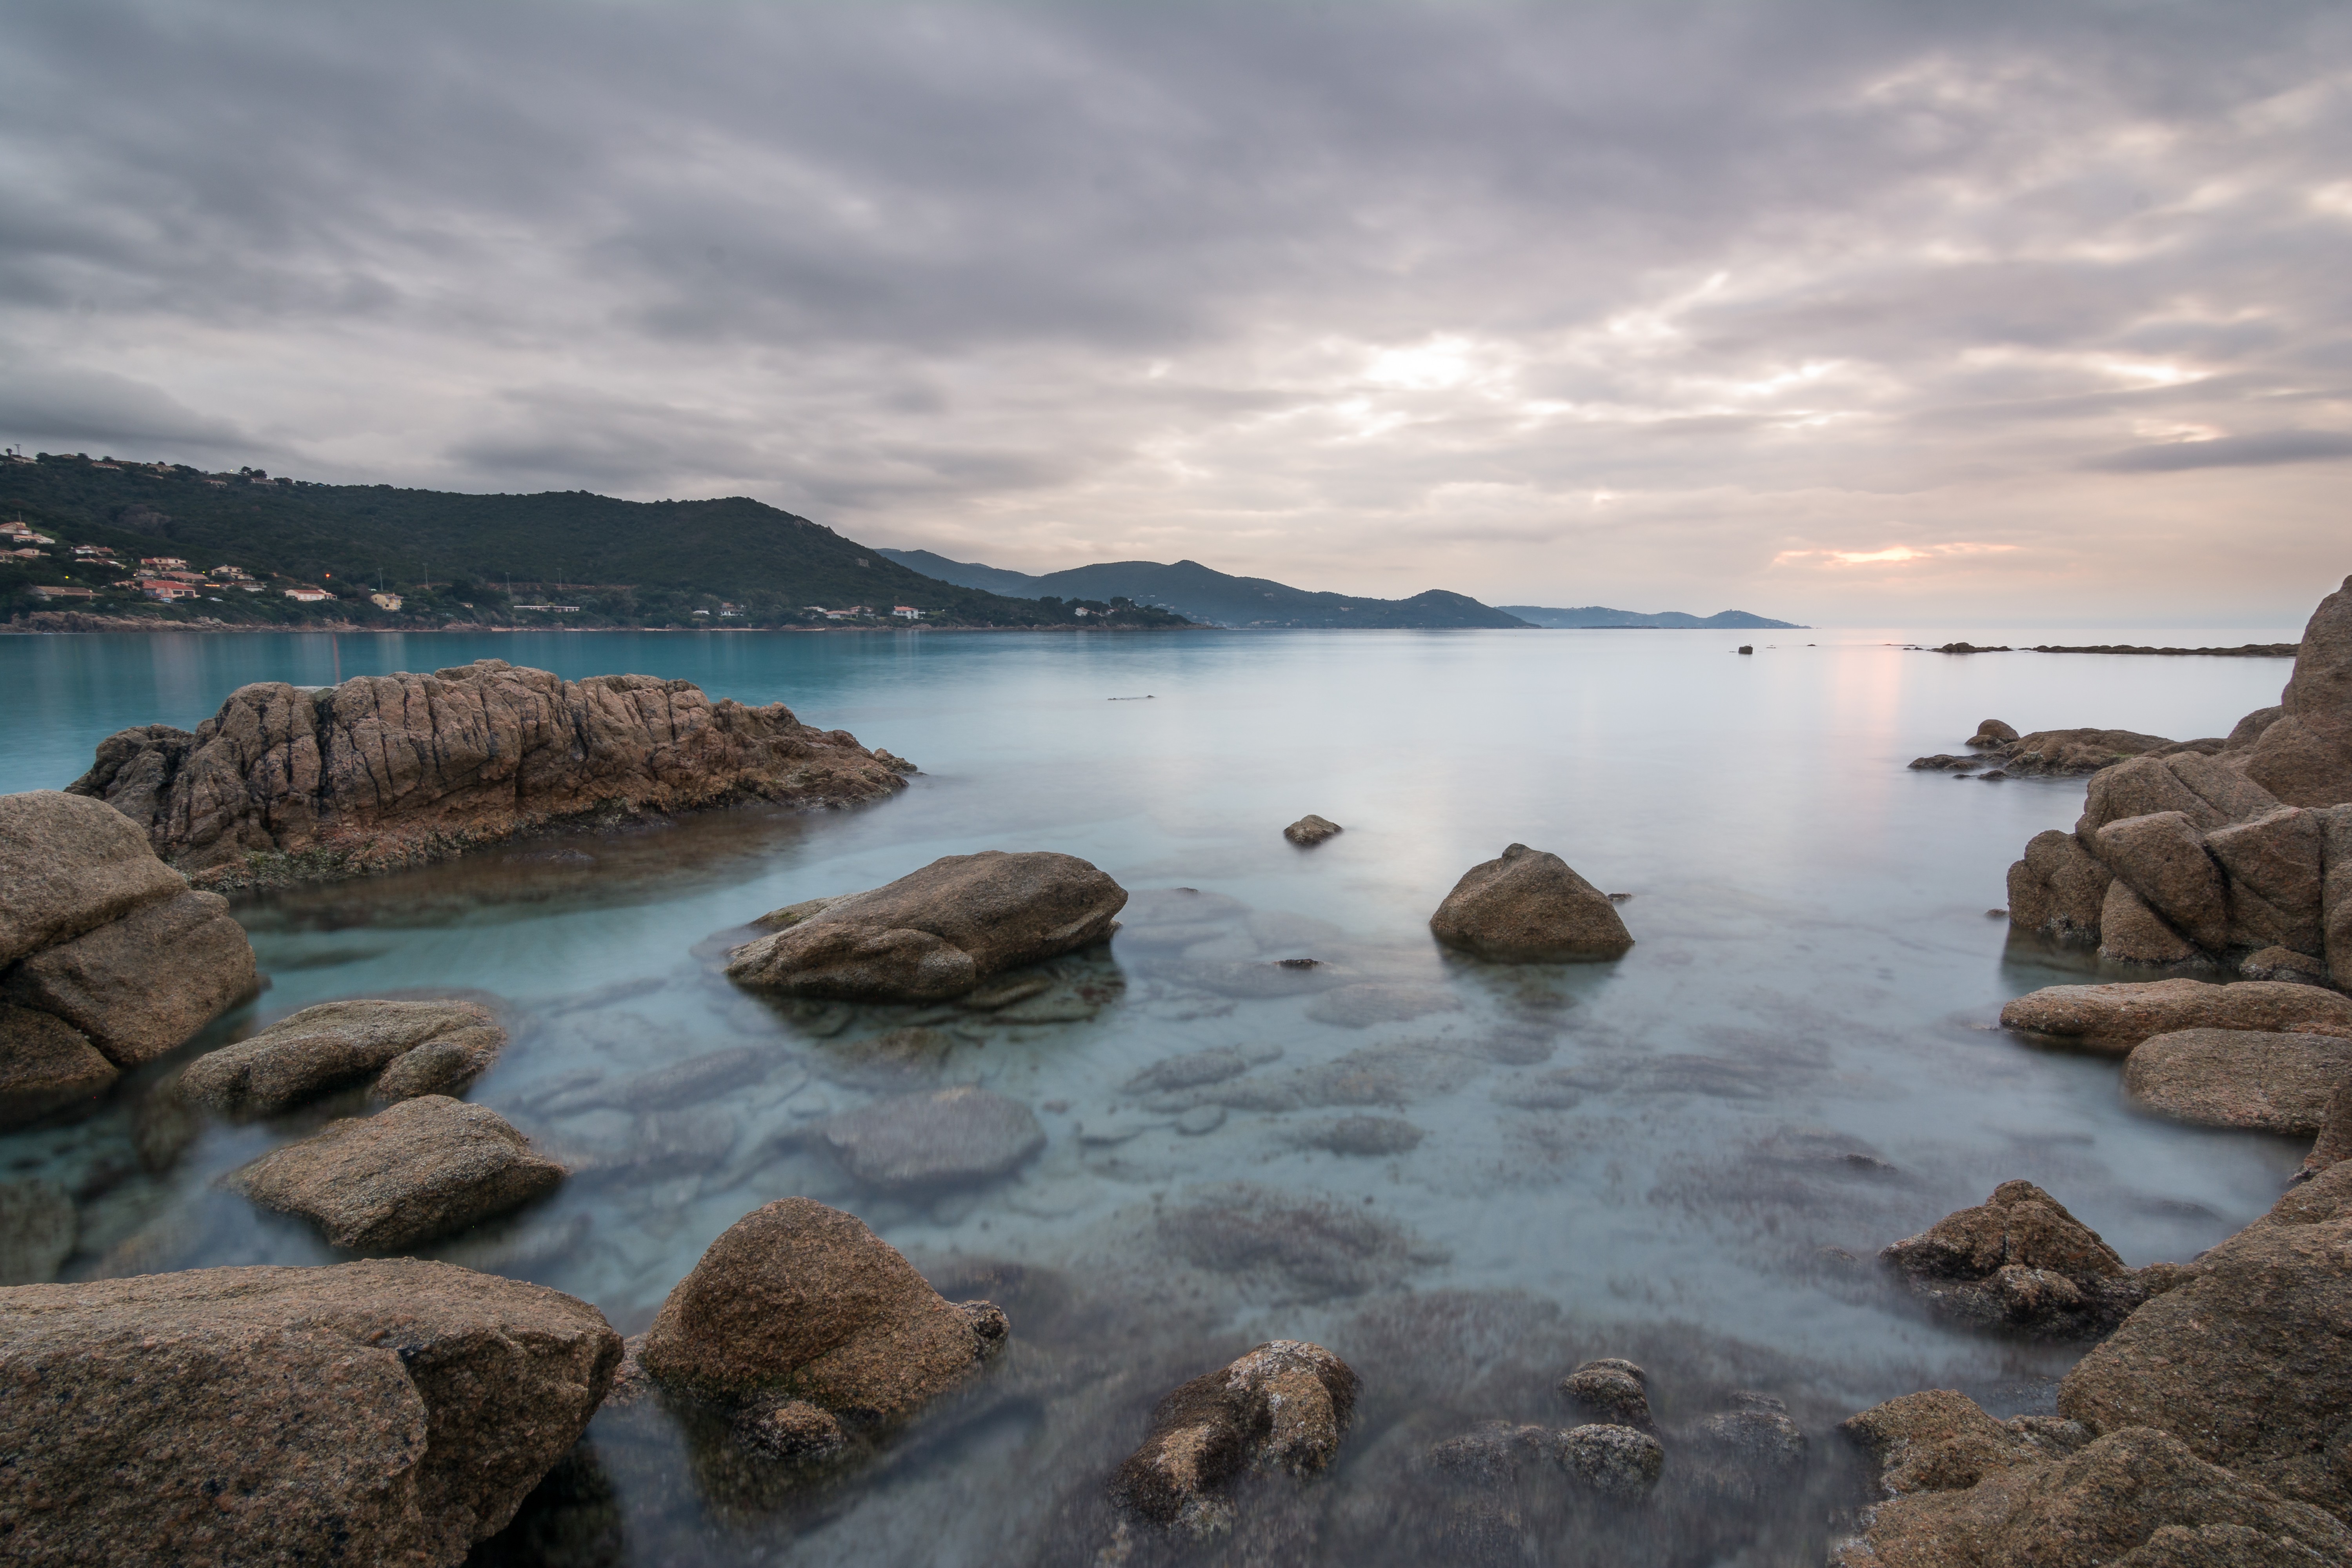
point(1844, 313)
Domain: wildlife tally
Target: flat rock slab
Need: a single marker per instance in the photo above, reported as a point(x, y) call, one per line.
point(400, 1410)
point(2239, 1077)
point(2113, 1019)
point(949, 1136)
point(412, 1047)
point(422, 1168)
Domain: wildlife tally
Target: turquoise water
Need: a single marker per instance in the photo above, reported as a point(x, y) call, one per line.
point(1648, 1155)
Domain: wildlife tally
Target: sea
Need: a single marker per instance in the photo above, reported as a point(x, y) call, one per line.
point(1462, 1180)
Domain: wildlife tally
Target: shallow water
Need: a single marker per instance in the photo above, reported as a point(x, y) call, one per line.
point(1639, 1158)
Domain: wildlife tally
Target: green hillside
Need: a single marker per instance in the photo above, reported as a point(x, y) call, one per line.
point(471, 557)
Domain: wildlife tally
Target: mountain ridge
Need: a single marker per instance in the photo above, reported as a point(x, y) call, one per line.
point(1600, 617)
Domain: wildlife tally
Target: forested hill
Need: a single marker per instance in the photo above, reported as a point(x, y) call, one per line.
point(1204, 594)
point(451, 556)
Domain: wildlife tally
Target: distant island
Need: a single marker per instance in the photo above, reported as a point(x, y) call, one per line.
point(105, 544)
point(1200, 594)
point(1598, 616)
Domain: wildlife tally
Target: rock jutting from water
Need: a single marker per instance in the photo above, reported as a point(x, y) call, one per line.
point(2060, 752)
point(2252, 1078)
point(937, 933)
point(2217, 853)
point(372, 1412)
point(420, 1170)
point(108, 959)
point(1528, 906)
point(408, 1048)
point(2112, 1019)
point(383, 770)
point(1282, 1406)
point(1311, 831)
point(798, 1303)
point(2019, 1262)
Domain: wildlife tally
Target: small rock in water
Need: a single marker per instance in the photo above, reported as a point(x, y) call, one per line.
point(1615, 1461)
point(791, 1429)
point(319, 1048)
point(1282, 1406)
point(1612, 1391)
point(1361, 1006)
point(1188, 1072)
point(1201, 1119)
point(1311, 831)
point(1757, 1433)
point(1528, 906)
point(942, 1138)
point(1373, 1135)
point(2021, 1262)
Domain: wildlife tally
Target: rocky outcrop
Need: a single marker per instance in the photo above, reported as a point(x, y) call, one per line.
point(1612, 1390)
point(107, 958)
point(2239, 1077)
point(389, 770)
point(939, 932)
point(1311, 831)
point(1282, 1406)
point(377, 1412)
point(2052, 751)
point(799, 1301)
point(422, 1169)
point(1942, 1441)
point(2019, 1263)
point(1614, 1462)
point(948, 1137)
point(408, 1048)
point(2114, 1018)
point(2245, 1360)
point(2230, 850)
point(1528, 906)
point(2134, 1499)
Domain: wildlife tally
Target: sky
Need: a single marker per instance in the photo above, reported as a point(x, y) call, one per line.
point(1846, 313)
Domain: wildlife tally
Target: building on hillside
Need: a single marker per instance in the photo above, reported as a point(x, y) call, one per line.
point(308, 595)
point(51, 591)
point(704, 614)
point(906, 612)
point(230, 573)
point(28, 553)
point(194, 579)
point(163, 564)
point(157, 588)
point(15, 528)
point(93, 552)
point(727, 612)
point(384, 601)
point(251, 587)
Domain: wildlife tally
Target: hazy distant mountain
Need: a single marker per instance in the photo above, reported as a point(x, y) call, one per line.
point(1194, 591)
point(1602, 615)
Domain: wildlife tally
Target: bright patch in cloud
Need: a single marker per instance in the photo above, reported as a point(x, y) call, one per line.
point(1892, 555)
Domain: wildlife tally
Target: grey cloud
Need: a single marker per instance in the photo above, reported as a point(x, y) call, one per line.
point(2229, 452)
point(49, 404)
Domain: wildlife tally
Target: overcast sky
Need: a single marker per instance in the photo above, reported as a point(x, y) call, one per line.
point(1848, 314)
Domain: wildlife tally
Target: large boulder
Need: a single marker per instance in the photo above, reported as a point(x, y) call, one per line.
point(2134, 1498)
point(409, 1047)
point(2209, 791)
point(2335, 893)
point(2163, 858)
point(145, 983)
point(1282, 1406)
point(45, 1064)
point(2275, 868)
point(948, 1137)
point(2306, 757)
point(1528, 906)
point(422, 1169)
point(2239, 1077)
point(2131, 932)
point(2113, 1018)
point(2019, 1262)
point(388, 770)
point(938, 933)
point(69, 865)
point(376, 1412)
point(800, 1301)
point(2245, 1360)
point(2058, 888)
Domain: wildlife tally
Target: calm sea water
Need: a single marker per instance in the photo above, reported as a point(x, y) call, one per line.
point(1642, 1157)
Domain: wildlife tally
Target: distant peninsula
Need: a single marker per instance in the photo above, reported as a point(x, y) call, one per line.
point(1600, 617)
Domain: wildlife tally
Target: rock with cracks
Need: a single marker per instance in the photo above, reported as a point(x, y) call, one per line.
point(938, 933)
point(796, 1300)
point(376, 1412)
point(408, 1048)
point(422, 1168)
point(1281, 1406)
point(1528, 906)
point(390, 770)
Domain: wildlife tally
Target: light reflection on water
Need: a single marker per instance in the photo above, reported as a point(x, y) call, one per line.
point(1638, 1157)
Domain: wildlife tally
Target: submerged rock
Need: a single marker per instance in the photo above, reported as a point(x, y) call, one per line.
point(1311, 831)
point(939, 932)
point(423, 1168)
point(947, 1137)
point(2114, 1018)
point(1528, 906)
point(1755, 1435)
point(802, 1300)
point(2019, 1262)
point(45, 1065)
point(1372, 1135)
point(410, 1047)
point(1615, 1461)
point(1282, 1406)
point(1362, 1005)
point(389, 1411)
point(387, 770)
point(2239, 1077)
